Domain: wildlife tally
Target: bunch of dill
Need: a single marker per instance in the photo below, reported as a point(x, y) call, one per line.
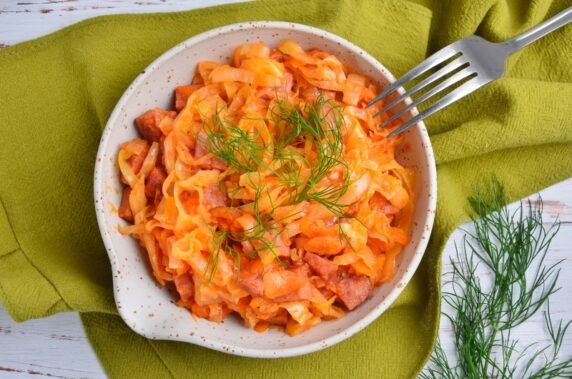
point(511, 247)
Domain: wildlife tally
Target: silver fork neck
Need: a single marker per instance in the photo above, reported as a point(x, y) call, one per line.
point(539, 31)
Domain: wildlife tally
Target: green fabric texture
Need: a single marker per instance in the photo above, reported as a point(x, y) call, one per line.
point(57, 92)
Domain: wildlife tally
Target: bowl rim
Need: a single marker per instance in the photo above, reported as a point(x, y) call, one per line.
point(99, 193)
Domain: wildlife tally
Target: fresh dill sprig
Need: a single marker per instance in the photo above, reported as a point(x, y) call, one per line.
point(320, 125)
point(218, 244)
point(511, 248)
point(306, 146)
point(552, 368)
point(241, 150)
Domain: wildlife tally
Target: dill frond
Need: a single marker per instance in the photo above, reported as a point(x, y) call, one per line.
point(306, 146)
point(218, 244)
point(511, 248)
point(319, 125)
point(241, 150)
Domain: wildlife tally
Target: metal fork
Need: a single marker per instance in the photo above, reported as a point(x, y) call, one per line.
point(472, 61)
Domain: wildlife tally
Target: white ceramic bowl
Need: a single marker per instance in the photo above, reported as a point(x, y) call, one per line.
point(149, 309)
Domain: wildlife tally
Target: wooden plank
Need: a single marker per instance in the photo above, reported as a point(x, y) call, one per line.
point(22, 20)
point(52, 347)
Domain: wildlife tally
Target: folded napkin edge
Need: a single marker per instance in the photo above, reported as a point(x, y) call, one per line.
point(30, 46)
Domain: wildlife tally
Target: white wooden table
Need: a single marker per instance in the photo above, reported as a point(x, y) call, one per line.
point(57, 346)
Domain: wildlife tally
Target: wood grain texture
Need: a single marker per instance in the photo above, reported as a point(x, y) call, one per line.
point(53, 347)
point(57, 347)
point(22, 20)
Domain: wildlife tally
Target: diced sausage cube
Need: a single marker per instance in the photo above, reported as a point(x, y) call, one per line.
point(354, 290)
point(124, 210)
point(154, 182)
point(213, 197)
point(148, 123)
point(321, 266)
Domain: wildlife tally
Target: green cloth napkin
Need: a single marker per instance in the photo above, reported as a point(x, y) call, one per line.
point(57, 92)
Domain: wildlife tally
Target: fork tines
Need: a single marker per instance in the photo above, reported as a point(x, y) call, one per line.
point(454, 69)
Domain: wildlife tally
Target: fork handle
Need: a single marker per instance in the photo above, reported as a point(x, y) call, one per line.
point(540, 31)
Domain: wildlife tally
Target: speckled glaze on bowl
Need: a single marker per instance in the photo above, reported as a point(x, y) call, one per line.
point(148, 308)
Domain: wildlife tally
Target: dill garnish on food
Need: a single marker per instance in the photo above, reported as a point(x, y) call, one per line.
point(307, 144)
point(512, 248)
